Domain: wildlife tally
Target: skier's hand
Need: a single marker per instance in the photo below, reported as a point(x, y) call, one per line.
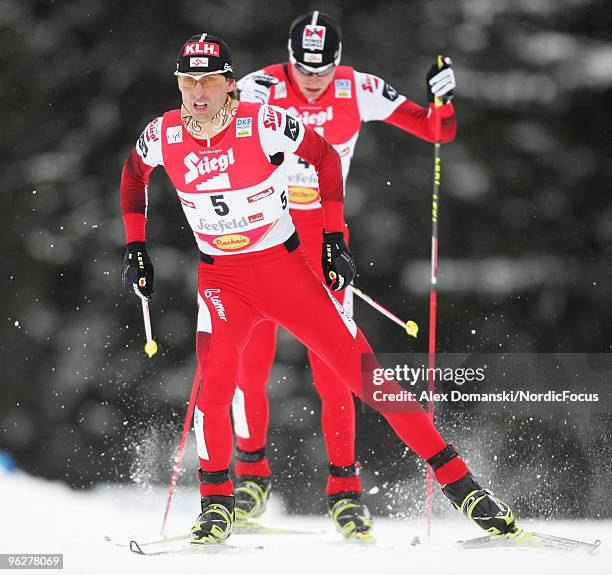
point(256, 87)
point(440, 80)
point(338, 265)
point(137, 276)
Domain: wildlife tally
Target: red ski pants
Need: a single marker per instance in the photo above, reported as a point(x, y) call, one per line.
point(250, 407)
point(235, 293)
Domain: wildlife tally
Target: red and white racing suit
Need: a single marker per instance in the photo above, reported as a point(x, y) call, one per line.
point(233, 191)
point(352, 98)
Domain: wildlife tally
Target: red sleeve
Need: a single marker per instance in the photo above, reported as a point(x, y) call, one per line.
point(134, 182)
point(318, 152)
point(424, 122)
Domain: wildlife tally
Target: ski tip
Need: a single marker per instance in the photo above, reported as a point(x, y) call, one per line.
point(596, 545)
point(135, 548)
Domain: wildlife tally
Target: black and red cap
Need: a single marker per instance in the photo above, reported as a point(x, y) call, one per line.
point(203, 55)
point(315, 42)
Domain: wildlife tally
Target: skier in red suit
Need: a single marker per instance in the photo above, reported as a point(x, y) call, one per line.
point(333, 100)
point(226, 161)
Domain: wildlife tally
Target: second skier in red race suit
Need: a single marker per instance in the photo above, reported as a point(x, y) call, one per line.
point(333, 100)
point(225, 160)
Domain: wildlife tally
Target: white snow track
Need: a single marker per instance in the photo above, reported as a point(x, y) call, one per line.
point(45, 517)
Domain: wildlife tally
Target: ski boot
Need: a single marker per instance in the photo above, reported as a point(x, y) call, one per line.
point(476, 503)
point(350, 516)
point(488, 512)
point(214, 524)
point(252, 494)
point(252, 485)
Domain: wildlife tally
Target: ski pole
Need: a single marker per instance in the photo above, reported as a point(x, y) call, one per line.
point(410, 326)
point(151, 346)
point(178, 458)
point(433, 292)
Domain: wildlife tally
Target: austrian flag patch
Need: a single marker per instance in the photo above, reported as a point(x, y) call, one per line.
point(198, 62)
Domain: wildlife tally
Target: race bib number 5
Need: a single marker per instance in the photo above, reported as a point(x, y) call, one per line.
point(235, 220)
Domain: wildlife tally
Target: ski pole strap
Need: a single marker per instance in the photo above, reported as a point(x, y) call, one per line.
point(250, 456)
point(345, 471)
point(215, 477)
point(442, 457)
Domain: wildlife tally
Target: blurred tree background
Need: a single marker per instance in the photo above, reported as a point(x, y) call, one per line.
point(525, 230)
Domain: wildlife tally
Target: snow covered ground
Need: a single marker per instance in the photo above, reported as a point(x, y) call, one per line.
point(45, 517)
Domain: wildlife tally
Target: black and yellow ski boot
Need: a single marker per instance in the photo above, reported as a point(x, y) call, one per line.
point(350, 516)
point(252, 494)
point(488, 512)
point(214, 524)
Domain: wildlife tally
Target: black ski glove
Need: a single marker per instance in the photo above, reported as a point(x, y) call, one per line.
point(338, 265)
point(137, 273)
point(440, 80)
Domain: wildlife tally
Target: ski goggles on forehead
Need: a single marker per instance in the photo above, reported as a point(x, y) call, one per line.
point(309, 71)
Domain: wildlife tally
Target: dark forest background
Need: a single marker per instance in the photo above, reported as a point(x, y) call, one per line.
point(525, 237)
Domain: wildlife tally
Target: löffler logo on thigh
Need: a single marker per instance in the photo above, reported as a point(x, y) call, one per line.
point(216, 302)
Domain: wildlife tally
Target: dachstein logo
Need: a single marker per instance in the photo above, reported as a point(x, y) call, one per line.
point(390, 93)
point(313, 119)
point(197, 167)
point(292, 129)
point(216, 301)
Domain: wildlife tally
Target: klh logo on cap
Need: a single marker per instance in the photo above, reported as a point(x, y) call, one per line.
point(201, 49)
point(313, 37)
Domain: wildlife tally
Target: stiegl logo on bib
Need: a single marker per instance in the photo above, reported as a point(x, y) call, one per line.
point(313, 118)
point(197, 167)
